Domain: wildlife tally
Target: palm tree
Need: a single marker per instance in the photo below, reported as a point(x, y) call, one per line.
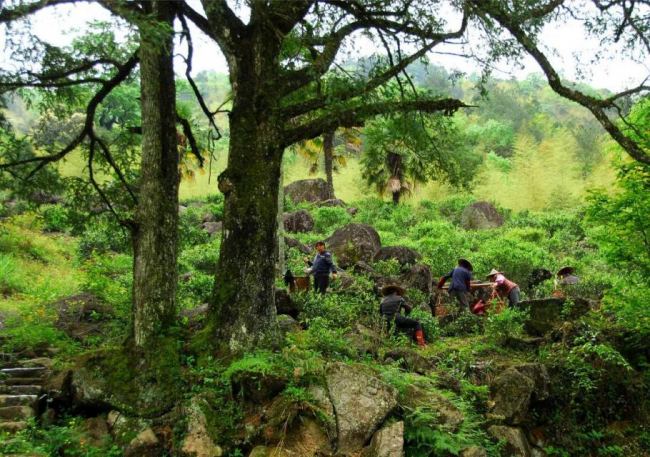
point(333, 147)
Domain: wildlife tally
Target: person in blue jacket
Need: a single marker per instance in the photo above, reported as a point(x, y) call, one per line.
point(321, 267)
point(461, 278)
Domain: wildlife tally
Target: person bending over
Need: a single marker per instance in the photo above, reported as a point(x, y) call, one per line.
point(504, 287)
point(391, 310)
point(321, 267)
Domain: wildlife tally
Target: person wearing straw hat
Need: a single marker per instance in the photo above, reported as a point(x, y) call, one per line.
point(391, 309)
point(504, 287)
point(461, 278)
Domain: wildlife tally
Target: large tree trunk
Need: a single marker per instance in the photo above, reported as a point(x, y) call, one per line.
point(242, 311)
point(328, 151)
point(396, 197)
point(156, 233)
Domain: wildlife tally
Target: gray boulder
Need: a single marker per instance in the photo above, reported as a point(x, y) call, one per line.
point(352, 211)
point(352, 243)
point(404, 255)
point(447, 414)
point(146, 444)
point(361, 403)
point(298, 222)
point(284, 304)
point(195, 312)
point(335, 202)
point(418, 277)
point(538, 373)
point(411, 359)
point(308, 190)
point(326, 409)
point(387, 442)
point(287, 324)
point(547, 313)
point(516, 443)
point(481, 216)
point(294, 243)
point(511, 392)
point(213, 228)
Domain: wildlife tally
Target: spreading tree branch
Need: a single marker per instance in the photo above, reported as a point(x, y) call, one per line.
point(25, 9)
point(357, 116)
point(597, 106)
point(87, 130)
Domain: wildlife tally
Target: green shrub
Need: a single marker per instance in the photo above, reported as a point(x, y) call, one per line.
point(203, 258)
point(11, 281)
point(328, 219)
point(102, 236)
point(55, 218)
point(508, 323)
point(196, 291)
point(464, 324)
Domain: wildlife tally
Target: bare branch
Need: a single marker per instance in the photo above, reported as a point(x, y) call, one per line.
point(187, 129)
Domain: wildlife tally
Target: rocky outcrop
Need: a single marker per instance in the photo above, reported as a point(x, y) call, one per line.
point(547, 313)
point(473, 451)
point(308, 190)
point(387, 442)
point(287, 324)
point(352, 243)
point(298, 222)
point(294, 243)
point(481, 216)
point(361, 403)
point(516, 443)
point(511, 392)
point(284, 304)
point(411, 359)
point(538, 373)
point(326, 409)
point(418, 277)
point(403, 255)
point(198, 442)
point(447, 414)
point(213, 228)
point(123, 427)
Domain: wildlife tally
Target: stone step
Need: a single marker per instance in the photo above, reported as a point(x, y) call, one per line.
point(16, 413)
point(13, 427)
point(22, 372)
point(20, 390)
point(44, 362)
point(22, 382)
point(17, 400)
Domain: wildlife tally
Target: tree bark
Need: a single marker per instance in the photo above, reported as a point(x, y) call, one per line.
point(396, 196)
point(328, 151)
point(156, 219)
point(242, 311)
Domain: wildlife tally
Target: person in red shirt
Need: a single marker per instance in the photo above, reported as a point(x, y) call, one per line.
point(504, 287)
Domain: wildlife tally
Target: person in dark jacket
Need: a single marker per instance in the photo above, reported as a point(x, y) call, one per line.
point(461, 278)
point(391, 309)
point(321, 267)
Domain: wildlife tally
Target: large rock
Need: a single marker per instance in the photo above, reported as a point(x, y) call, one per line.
point(387, 442)
point(124, 428)
point(354, 242)
point(213, 228)
point(404, 255)
point(411, 359)
point(473, 451)
point(538, 373)
point(82, 316)
point(326, 409)
point(198, 442)
point(334, 202)
point(287, 324)
point(284, 304)
point(308, 190)
point(146, 444)
point(294, 243)
point(361, 402)
point(480, 216)
point(418, 277)
point(547, 313)
point(95, 431)
point(511, 392)
point(447, 414)
point(515, 439)
point(298, 222)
